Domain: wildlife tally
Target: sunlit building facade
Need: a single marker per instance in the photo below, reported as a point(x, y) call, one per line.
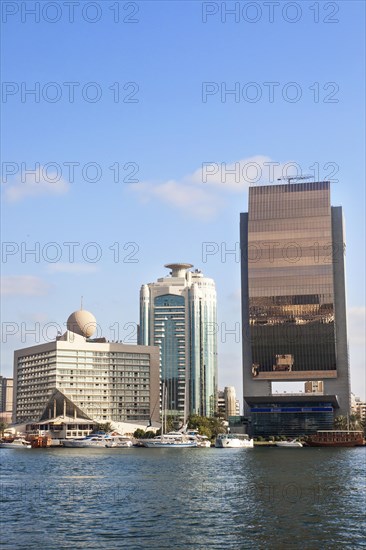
point(107, 381)
point(178, 314)
point(293, 291)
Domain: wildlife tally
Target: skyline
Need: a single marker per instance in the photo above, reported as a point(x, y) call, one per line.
point(179, 139)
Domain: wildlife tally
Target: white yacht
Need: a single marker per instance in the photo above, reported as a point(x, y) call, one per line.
point(292, 443)
point(18, 443)
point(169, 441)
point(202, 440)
point(111, 441)
point(119, 442)
point(233, 441)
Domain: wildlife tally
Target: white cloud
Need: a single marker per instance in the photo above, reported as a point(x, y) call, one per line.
point(74, 268)
point(238, 176)
point(43, 182)
point(190, 199)
point(200, 194)
point(23, 285)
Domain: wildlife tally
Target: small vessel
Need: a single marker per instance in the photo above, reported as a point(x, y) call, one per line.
point(202, 440)
point(171, 440)
point(294, 443)
point(99, 440)
point(233, 441)
point(88, 441)
point(17, 443)
point(119, 442)
point(336, 438)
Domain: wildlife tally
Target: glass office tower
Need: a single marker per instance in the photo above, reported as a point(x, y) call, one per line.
point(293, 290)
point(178, 314)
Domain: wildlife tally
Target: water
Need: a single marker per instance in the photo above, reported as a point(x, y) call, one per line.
point(183, 498)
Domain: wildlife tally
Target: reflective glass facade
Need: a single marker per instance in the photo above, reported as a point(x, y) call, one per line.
point(291, 297)
point(169, 335)
point(293, 290)
point(203, 353)
point(291, 419)
point(178, 314)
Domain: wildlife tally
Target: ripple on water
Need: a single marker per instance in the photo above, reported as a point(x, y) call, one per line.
point(187, 499)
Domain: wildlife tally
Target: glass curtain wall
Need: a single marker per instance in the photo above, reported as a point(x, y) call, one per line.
point(291, 296)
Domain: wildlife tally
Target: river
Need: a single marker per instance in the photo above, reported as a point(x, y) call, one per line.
point(260, 498)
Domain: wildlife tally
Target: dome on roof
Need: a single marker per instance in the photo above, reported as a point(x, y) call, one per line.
point(82, 322)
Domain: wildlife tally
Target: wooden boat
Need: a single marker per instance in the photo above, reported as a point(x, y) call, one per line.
point(336, 438)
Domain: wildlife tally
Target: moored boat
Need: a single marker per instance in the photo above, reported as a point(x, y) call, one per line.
point(336, 438)
point(202, 440)
point(110, 441)
point(233, 441)
point(17, 443)
point(89, 441)
point(292, 444)
point(119, 442)
point(169, 441)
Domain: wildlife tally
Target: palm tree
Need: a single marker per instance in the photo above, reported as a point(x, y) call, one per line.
point(355, 422)
point(341, 422)
point(106, 427)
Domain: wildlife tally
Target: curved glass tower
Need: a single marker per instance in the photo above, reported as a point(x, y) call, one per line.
point(178, 314)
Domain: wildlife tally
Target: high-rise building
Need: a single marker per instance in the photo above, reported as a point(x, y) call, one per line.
point(106, 381)
point(293, 305)
point(178, 314)
point(6, 395)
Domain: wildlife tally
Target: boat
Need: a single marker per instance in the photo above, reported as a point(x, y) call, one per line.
point(88, 441)
point(233, 441)
point(171, 440)
point(202, 440)
point(17, 443)
point(336, 438)
point(119, 442)
point(99, 440)
point(294, 444)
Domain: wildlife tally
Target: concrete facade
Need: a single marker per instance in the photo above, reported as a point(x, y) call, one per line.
point(108, 381)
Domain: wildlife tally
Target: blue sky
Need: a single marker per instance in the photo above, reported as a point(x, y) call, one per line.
point(165, 124)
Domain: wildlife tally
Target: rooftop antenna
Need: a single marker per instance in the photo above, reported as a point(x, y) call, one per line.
point(290, 178)
point(81, 303)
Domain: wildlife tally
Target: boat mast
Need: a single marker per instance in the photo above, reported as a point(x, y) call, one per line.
point(163, 410)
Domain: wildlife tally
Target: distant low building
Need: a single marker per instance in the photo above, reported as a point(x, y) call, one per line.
point(227, 404)
point(237, 407)
point(360, 409)
point(314, 386)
